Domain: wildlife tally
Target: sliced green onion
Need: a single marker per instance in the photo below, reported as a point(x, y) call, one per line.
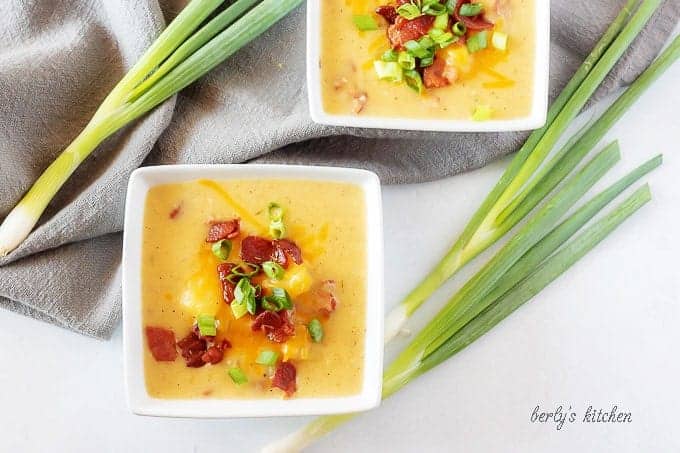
point(459, 29)
point(275, 211)
point(244, 294)
point(482, 113)
point(222, 249)
point(277, 229)
point(315, 330)
point(441, 38)
point(441, 22)
point(477, 42)
point(206, 325)
point(435, 9)
point(425, 62)
point(277, 301)
point(451, 6)
point(238, 376)
point(406, 60)
point(365, 22)
point(420, 49)
point(273, 270)
point(414, 81)
point(389, 71)
point(245, 270)
point(499, 40)
point(267, 358)
point(409, 11)
point(239, 309)
point(470, 9)
point(390, 55)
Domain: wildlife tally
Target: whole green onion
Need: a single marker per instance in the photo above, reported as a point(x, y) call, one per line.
point(119, 108)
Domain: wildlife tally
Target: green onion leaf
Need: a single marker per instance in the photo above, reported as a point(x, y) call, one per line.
point(273, 270)
point(239, 309)
point(409, 11)
point(244, 295)
point(245, 270)
point(238, 376)
point(414, 81)
point(277, 301)
point(222, 249)
point(390, 55)
point(365, 22)
point(470, 9)
point(276, 227)
point(441, 22)
point(451, 6)
point(406, 60)
point(441, 38)
point(315, 330)
point(459, 29)
point(267, 358)
point(389, 71)
point(206, 325)
point(420, 49)
point(425, 62)
point(435, 9)
point(275, 211)
point(477, 42)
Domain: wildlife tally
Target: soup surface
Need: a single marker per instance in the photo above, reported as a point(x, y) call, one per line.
point(234, 309)
point(483, 77)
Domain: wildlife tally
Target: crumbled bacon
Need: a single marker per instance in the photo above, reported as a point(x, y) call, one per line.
point(388, 12)
point(177, 210)
point(224, 230)
point(472, 23)
point(285, 378)
point(328, 299)
point(284, 248)
point(439, 74)
point(404, 30)
point(256, 250)
point(161, 343)
point(278, 327)
point(224, 270)
point(192, 348)
point(214, 354)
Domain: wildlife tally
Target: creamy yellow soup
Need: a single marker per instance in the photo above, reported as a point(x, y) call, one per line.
point(326, 220)
point(497, 81)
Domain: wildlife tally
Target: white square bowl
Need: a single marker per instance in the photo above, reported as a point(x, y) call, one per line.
point(536, 119)
point(139, 400)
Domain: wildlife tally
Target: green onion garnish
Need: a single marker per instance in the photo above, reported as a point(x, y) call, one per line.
point(390, 71)
point(434, 8)
point(441, 22)
point(276, 227)
point(267, 358)
point(406, 60)
point(275, 211)
point(409, 11)
point(244, 296)
point(390, 55)
point(222, 249)
point(206, 325)
point(442, 38)
point(277, 301)
point(470, 9)
point(420, 49)
point(451, 6)
point(273, 270)
point(459, 29)
point(414, 81)
point(245, 270)
point(315, 330)
point(238, 376)
point(425, 62)
point(365, 22)
point(477, 42)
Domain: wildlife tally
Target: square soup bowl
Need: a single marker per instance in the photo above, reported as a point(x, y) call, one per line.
point(535, 119)
point(140, 402)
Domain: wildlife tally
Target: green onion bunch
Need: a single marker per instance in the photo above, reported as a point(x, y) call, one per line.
point(201, 37)
point(541, 190)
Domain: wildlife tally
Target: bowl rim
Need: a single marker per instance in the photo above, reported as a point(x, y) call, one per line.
point(536, 119)
point(139, 402)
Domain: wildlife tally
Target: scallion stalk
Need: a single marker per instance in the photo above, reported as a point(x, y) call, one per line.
point(119, 108)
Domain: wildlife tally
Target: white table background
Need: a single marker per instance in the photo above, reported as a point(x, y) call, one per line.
point(605, 333)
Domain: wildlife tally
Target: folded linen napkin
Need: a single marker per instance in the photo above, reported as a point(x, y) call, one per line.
point(59, 58)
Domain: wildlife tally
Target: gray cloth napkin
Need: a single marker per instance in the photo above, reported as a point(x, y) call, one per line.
point(59, 58)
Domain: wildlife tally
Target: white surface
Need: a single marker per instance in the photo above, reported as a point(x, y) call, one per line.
point(141, 181)
point(535, 119)
point(605, 333)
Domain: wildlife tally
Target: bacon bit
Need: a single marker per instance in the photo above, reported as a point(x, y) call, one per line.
point(284, 248)
point(176, 212)
point(328, 297)
point(439, 74)
point(224, 270)
point(388, 12)
point(278, 327)
point(404, 30)
point(161, 343)
point(192, 348)
point(256, 250)
point(224, 230)
point(359, 101)
point(473, 23)
point(285, 378)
